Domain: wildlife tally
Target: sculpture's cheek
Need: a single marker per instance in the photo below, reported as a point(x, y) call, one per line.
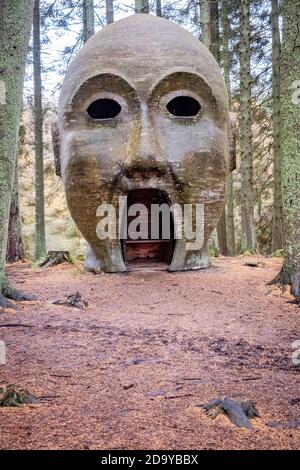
point(198, 155)
point(89, 175)
point(103, 148)
point(204, 174)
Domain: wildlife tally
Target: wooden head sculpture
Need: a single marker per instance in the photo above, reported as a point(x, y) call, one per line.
point(142, 113)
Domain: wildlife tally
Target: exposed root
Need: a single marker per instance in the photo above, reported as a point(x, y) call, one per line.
point(5, 303)
point(295, 288)
point(7, 291)
point(278, 280)
point(281, 280)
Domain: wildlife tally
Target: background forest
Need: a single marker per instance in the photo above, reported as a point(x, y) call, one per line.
point(246, 39)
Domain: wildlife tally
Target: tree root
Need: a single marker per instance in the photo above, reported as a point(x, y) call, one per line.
point(295, 287)
point(5, 303)
point(7, 291)
point(237, 412)
point(279, 279)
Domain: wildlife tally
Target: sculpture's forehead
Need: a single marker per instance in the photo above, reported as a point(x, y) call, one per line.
point(142, 49)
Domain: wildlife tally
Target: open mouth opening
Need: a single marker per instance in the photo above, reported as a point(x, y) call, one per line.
point(150, 230)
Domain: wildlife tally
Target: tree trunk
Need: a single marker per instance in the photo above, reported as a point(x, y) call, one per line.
point(109, 11)
point(40, 238)
point(245, 127)
point(88, 19)
point(277, 205)
point(158, 8)
point(290, 138)
point(15, 248)
point(205, 22)
point(15, 26)
point(229, 212)
point(215, 30)
point(215, 50)
point(142, 6)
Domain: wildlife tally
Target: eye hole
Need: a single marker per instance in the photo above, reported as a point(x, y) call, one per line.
point(104, 109)
point(184, 106)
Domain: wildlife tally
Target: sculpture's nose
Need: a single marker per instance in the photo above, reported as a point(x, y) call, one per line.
point(145, 154)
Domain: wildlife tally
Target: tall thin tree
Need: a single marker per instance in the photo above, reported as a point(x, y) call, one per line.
point(290, 142)
point(15, 247)
point(245, 131)
point(88, 19)
point(277, 205)
point(205, 22)
point(229, 179)
point(40, 237)
point(215, 50)
point(109, 11)
point(158, 8)
point(15, 26)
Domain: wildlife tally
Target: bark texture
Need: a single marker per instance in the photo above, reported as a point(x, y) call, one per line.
point(88, 19)
point(229, 212)
point(277, 205)
point(40, 237)
point(15, 248)
point(158, 8)
point(205, 22)
point(109, 11)
point(290, 142)
point(215, 50)
point(142, 6)
point(15, 26)
point(245, 128)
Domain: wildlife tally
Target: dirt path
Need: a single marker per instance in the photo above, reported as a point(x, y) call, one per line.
point(127, 372)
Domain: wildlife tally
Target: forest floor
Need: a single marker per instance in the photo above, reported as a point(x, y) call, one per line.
point(127, 372)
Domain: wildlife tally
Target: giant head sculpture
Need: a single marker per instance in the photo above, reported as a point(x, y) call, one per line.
point(142, 113)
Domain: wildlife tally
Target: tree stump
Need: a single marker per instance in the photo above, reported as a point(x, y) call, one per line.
point(239, 413)
point(11, 395)
point(54, 258)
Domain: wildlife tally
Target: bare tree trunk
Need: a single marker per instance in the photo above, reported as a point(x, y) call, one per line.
point(290, 138)
point(158, 8)
point(15, 248)
point(142, 6)
point(88, 19)
point(215, 30)
point(109, 11)
point(215, 50)
point(15, 26)
point(40, 238)
point(205, 22)
point(277, 206)
point(245, 127)
point(229, 213)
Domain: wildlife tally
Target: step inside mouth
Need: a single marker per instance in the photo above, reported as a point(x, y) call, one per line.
point(155, 244)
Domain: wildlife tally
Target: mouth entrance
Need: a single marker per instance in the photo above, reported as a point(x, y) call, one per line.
point(155, 243)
